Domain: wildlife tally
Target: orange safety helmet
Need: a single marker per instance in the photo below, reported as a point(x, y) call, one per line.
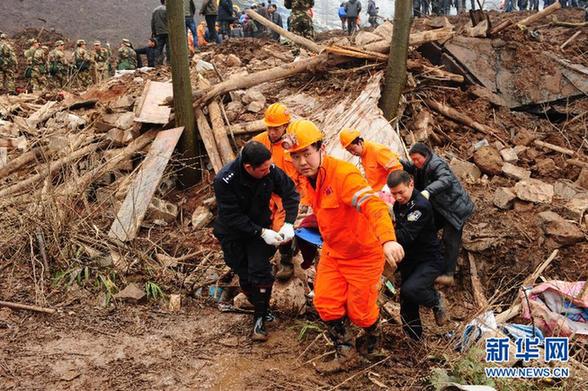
point(347, 136)
point(276, 115)
point(301, 133)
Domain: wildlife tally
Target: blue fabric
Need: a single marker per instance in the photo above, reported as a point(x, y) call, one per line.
point(310, 235)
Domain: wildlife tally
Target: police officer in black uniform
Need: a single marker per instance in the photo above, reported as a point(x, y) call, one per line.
point(243, 189)
point(416, 232)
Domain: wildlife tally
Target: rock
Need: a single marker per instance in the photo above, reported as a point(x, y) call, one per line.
point(241, 301)
point(162, 210)
point(524, 137)
point(131, 293)
point(547, 167)
point(498, 145)
point(582, 180)
point(232, 61)
point(488, 160)
point(534, 190)
point(201, 217)
point(509, 155)
point(466, 171)
point(288, 297)
point(480, 144)
point(575, 209)
point(175, 302)
point(515, 172)
point(548, 217)
point(520, 149)
point(393, 309)
point(364, 37)
point(561, 231)
point(124, 102)
point(565, 190)
point(203, 66)
point(255, 107)
point(234, 109)
point(121, 137)
point(119, 120)
point(384, 30)
point(252, 95)
point(503, 197)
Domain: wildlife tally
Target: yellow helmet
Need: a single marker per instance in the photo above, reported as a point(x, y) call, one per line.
point(347, 136)
point(276, 115)
point(302, 133)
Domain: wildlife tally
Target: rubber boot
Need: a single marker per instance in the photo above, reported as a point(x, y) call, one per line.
point(260, 299)
point(370, 339)
point(346, 356)
point(286, 269)
point(440, 311)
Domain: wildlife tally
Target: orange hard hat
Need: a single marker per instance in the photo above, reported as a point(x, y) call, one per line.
point(347, 136)
point(302, 133)
point(276, 115)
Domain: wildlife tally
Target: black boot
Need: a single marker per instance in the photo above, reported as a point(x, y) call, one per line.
point(260, 297)
point(286, 268)
point(346, 356)
point(370, 339)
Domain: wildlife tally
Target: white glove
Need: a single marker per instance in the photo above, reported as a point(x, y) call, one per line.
point(393, 252)
point(425, 194)
point(271, 237)
point(287, 232)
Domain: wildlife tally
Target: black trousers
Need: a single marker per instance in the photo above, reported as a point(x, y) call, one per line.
point(417, 289)
point(211, 24)
point(162, 42)
point(452, 242)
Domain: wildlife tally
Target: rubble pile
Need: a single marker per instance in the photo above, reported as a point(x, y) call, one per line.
point(508, 111)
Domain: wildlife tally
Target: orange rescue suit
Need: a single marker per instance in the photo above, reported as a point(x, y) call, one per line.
point(281, 159)
point(378, 161)
point(354, 224)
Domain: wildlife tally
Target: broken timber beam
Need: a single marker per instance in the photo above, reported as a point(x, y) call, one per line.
point(539, 15)
point(415, 39)
point(81, 183)
point(218, 128)
point(461, 118)
point(570, 40)
point(53, 167)
point(35, 308)
point(247, 127)
point(477, 290)
point(281, 72)
point(23, 159)
point(553, 147)
point(500, 27)
point(207, 137)
point(297, 39)
point(132, 211)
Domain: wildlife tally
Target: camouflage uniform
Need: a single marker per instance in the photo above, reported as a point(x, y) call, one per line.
point(83, 65)
point(127, 57)
point(8, 64)
point(301, 22)
point(28, 54)
point(39, 69)
point(58, 66)
point(101, 61)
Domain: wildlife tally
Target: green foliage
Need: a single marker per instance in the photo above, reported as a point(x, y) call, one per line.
point(307, 327)
point(153, 291)
point(106, 282)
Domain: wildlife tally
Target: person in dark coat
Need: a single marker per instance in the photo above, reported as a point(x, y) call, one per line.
point(416, 232)
point(159, 31)
point(243, 189)
point(150, 51)
point(451, 203)
point(225, 17)
point(210, 11)
point(275, 17)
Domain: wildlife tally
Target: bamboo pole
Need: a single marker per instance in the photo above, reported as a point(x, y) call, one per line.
point(18, 306)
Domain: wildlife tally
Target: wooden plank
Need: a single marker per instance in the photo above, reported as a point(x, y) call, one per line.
point(46, 111)
point(151, 108)
point(131, 213)
point(477, 289)
point(3, 157)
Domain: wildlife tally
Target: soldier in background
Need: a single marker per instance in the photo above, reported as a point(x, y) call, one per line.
point(28, 55)
point(300, 20)
point(83, 64)
point(39, 68)
point(101, 61)
point(8, 64)
point(127, 58)
point(58, 66)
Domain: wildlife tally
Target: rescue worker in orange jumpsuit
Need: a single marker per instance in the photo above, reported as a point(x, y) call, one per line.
point(377, 160)
point(358, 238)
point(276, 119)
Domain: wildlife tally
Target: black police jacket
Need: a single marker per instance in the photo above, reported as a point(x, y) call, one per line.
point(243, 202)
point(415, 230)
